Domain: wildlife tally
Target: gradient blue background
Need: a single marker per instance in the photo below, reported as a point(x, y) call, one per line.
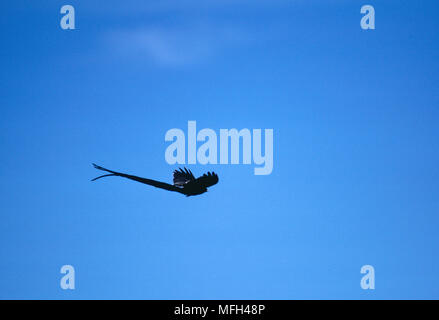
point(355, 117)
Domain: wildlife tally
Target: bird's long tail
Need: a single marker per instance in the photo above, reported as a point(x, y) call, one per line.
point(154, 183)
point(112, 173)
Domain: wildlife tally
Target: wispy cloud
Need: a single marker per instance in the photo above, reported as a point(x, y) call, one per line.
point(185, 32)
point(171, 46)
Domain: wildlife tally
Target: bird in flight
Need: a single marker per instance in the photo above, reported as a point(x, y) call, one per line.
point(184, 181)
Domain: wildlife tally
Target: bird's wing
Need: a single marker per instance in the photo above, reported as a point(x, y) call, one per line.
point(181, 177)
point(208, 179)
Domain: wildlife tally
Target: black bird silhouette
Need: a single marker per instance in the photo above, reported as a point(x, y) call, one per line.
point(184, 181)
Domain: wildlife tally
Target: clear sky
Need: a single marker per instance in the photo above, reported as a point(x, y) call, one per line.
point(355, 179)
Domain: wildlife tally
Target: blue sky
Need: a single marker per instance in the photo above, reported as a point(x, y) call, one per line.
point(355, 178)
